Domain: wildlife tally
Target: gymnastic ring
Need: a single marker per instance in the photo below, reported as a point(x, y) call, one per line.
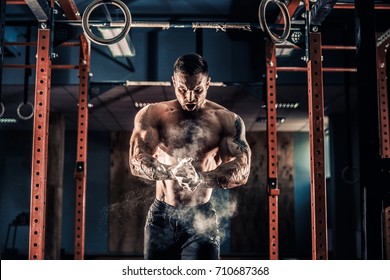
point(347, 180)
point(2, 111)
point(99, 40)
point(25, 117)
point(263, 23)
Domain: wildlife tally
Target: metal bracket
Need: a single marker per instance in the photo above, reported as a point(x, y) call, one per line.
point(272, 183)
point(306, 58)
point(297, 36)
point(79, 172)
point(273, 187)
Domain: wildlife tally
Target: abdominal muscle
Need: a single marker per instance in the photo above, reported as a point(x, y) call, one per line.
point(172, 193)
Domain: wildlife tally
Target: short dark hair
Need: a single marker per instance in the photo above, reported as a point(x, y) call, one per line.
point(191, 64)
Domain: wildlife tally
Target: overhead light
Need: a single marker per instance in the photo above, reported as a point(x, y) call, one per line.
point(287, 105)
point(291, 105)
point(124, 48)
point(141, 105)
point(8, 120)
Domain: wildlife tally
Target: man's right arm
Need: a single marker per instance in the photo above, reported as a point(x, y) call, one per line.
point(143, 143)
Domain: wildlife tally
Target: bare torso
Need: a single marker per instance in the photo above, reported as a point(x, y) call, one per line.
point(188, 135)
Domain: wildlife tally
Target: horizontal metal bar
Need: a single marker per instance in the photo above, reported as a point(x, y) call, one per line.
point(325, 47)
point(65, 44)
point(167, 24)
point(351, 6)
point(325, 69)
point(16, 2)
point(20, 44)
point(346, 48)
point(31, 66)
point(164, 84)
point(168, 83)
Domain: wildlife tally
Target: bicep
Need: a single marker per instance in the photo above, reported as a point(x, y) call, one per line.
point(145, 137)
point(234, 144)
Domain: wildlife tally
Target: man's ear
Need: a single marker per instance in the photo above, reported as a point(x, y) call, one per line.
point(208, 82)
point(173, 80)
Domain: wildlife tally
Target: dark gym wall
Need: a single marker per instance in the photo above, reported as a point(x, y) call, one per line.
point(229, 60)
point(15, 176)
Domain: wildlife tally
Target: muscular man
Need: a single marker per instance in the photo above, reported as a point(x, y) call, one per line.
point(188, 146)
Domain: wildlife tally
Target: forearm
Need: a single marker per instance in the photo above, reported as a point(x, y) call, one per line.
point(147, 167)
point(226, 176)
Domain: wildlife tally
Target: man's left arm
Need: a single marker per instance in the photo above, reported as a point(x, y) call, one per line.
point(236, 159)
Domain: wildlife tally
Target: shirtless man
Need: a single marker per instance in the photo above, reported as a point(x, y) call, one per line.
point(188, 146)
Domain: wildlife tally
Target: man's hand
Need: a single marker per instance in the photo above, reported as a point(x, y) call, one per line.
point(185, 174)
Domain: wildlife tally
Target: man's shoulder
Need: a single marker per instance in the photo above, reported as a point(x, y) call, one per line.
point(220, 110)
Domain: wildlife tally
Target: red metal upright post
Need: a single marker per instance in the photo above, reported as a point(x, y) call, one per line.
point(317, 157)
point(383, 42)
point(273, 191)
point(82, 139)
point(70, 9)
point(381, 66)
point(387, 232)
point(40, 147)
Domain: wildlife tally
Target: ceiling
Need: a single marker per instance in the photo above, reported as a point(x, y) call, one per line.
point(236, 59)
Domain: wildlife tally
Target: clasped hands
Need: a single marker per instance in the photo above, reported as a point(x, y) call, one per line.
point(186, 175)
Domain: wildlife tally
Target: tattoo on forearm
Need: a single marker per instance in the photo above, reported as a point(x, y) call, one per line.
point(150, 169)
point(233, 176)
point(242, 145)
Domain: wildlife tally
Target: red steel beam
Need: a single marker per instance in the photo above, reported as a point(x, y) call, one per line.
point(304, 69)
point(325, 47)
point(273, 191)
point(31, 66)
point(16, 2)
point(40, 147)
point(351, 6)
point(336, 47)
point(381, 66)
point(292, 7)
point(82, 140)
point(70, 9)
point(32, 44)
point(386, 227)
point(317, 157)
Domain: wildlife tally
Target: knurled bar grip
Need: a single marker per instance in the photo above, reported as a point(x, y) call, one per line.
point(40, 147)
point(317, 163)
point(273, 191)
